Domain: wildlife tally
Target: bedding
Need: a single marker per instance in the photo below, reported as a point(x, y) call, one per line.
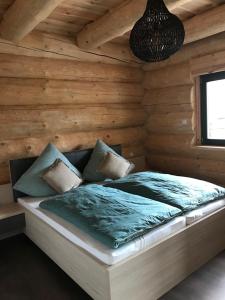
point(204, 211)
point(95, 248)
point(31, 182)
point(114, 166)
point(182, 192)
point(92, 172)
point(61, 178)
point(111, 216)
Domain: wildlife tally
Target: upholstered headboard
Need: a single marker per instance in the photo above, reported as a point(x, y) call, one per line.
point(78, 158)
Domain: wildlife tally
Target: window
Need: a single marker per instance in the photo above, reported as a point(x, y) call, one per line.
point(213, 109)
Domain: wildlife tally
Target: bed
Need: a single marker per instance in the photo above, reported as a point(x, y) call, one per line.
point(154, 265)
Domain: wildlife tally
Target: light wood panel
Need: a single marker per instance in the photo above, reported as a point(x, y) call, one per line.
point(60, 47)
point(174, 258)
point(65, 101)
point(172, 122)
point(32, 122)
point(10, 210)
point(203, 47)
point(42, 91)
point(173, 111)
point(210, 63)
point(72, 15)
point(168, 96)
point(169, 76)
point(23, 16)
point(87, 271)
point(103, 29)
point(204, 25)
point(16, 66)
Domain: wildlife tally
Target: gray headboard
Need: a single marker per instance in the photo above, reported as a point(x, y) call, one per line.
point(78, 158)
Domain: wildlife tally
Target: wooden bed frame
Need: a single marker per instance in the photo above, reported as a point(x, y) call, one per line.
point(146, 275)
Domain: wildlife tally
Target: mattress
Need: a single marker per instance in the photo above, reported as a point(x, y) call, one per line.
point(101, 252)
point(204, 211)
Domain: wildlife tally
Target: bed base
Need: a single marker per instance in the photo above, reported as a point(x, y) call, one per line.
point(147, 275)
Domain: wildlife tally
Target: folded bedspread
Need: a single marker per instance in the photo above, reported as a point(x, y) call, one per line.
point(111, 216)
point(182, 192)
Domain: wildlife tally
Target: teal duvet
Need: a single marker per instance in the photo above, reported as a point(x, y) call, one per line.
point(182, 192)
point(111, 216)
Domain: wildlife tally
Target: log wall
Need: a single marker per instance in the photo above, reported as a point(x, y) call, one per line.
point(171, 100)
point(51, 92)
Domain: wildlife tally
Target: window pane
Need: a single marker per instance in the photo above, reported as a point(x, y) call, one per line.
point(216, 109)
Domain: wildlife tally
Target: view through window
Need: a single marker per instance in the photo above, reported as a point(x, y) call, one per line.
point(213, 108)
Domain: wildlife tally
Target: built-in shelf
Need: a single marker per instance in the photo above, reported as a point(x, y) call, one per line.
point(10, 210)
point(12, 220)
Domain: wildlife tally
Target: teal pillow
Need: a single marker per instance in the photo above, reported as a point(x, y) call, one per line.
point(91, 172)
point(31, 183)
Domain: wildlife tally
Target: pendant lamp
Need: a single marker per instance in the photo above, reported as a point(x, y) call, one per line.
point(158, 34)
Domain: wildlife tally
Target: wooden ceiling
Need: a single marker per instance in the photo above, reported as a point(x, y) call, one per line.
point(72, 15)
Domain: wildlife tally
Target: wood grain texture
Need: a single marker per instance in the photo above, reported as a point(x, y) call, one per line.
point(15, 66)
point(69, 103)
point(68, 141)
point(23, 16)
point(125, 15)
point(175, 258)
point(206, 24)
point(86, 271)
point(175, 75)
point(10, 210)
point(56, 46)
point(173, 124)
point(196, 49)
point(47, 91)
point(71, 16)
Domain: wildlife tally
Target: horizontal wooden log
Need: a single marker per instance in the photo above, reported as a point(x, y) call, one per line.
point(215, 165)
point(25, 123)
point(174, 165)
point(4, 172)
point(133, 151)
point(140, 164)
point(125, 16)
point(23, 16)
point(29, 147)
point(170, 95)
point(18, 66)
point(175, 123)
point(206, 24)
point(194, 165)
point(60, 47)
point(43, 91)
point(181, 145)
point(167, 108)
point(213, 177)
point(208, 64)
point(209, 170)
point(210, 153)
point(205, 46)
point(170, 76)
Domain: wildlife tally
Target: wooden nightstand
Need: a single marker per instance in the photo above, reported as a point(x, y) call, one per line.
point(12, 220)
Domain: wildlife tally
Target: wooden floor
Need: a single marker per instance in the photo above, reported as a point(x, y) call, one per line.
point(26, 273)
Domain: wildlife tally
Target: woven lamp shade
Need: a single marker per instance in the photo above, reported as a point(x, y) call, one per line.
point(158, 34)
